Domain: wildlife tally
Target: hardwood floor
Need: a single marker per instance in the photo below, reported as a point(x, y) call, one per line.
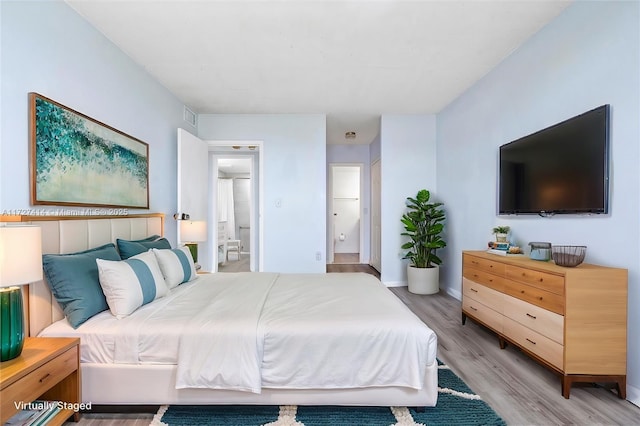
point(233, 265)
point(516, 387)
point(346, 257)
point(352, 267)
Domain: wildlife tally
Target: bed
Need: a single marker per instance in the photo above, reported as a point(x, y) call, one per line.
point(241, 338)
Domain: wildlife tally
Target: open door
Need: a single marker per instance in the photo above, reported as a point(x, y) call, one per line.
point(193, 188)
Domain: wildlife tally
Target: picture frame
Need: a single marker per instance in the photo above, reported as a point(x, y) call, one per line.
point(76, 160)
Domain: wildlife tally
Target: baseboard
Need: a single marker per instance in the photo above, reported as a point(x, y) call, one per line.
point(633, 395)
point(395, 283)
point(454, 293)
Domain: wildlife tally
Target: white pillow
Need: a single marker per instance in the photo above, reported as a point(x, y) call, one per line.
point(131, 283)
point(176, 265)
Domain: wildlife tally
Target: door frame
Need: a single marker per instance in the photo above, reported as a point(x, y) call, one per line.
point(256, 210)
point(330, 217)
point(375, 259)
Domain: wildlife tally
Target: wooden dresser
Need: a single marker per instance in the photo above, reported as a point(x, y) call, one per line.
point(572, 320)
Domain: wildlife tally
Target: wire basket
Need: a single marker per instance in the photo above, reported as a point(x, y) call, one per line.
point(568, 255)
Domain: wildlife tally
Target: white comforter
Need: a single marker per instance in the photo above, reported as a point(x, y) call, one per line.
point(249, 331)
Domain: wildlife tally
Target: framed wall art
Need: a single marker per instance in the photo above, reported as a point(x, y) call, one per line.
point(79, 161)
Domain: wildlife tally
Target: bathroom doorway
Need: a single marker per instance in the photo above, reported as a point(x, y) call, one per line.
point(234, 213)
point(236, 204)
point(345, 212)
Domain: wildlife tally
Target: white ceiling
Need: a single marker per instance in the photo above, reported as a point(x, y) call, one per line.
point(234, 165)
point(351, 60)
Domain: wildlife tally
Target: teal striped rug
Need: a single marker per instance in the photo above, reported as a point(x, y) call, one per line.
point(457, 405)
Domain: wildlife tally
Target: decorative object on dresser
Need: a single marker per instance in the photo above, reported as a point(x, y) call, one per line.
point(501, 233)
point(569, 256)
point(79, 161)
point(20, 263)
point(571, 320)
point(423, 225)
point(47, 370)
point(540, 251)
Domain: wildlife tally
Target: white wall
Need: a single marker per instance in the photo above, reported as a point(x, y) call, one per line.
point(294, 156)
point(48, 48)
point(408, 155)
point(566, 69)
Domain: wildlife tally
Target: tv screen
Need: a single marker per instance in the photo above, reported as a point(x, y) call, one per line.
point(561, 169)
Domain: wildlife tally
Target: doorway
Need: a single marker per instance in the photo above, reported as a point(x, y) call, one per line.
point(345, 213)
point(236, 205)
point(233, 209)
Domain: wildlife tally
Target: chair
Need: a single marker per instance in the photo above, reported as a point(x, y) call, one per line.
point(233, 246)
point(222, 242)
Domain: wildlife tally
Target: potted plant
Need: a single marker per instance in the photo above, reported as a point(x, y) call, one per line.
point(423, 225)
point(501, 233)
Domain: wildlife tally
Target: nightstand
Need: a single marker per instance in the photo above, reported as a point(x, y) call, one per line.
point(49, 369)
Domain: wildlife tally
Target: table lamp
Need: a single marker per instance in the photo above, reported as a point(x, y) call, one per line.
point(191, 233)
point(20, 264)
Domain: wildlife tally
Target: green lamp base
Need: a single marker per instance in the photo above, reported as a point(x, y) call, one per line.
point(11, 323)
point(193, 248)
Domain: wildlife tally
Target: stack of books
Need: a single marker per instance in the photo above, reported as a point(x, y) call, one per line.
point(503, 249)
point(36, 413)
point(498, 248)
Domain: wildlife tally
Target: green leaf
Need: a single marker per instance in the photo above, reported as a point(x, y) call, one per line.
point(423, 223)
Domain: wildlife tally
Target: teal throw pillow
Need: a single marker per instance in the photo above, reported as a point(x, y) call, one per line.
point(75, 283)
point(129, 248)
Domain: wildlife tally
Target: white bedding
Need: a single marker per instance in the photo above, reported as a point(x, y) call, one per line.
point(266, 330)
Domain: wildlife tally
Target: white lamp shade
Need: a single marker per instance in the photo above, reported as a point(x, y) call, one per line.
point(193, 231)
point(20, 255)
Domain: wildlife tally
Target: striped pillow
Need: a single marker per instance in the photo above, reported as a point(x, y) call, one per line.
point(129, 284)
point(176, 265)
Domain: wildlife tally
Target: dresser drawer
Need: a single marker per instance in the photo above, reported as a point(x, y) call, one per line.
point(542, 346)
point(483, 264)
point(542, 280)
point(482, 313)
point(544, 299)
point(482, 294)
point(479, 276)
point(43, 378)
point(547, 323)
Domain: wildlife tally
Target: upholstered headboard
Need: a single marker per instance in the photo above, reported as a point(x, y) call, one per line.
point(68, 234)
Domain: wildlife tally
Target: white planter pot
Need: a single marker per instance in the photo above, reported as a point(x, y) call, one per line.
point(501, 238)
point(423, 280)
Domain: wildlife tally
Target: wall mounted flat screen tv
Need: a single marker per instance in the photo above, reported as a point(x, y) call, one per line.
point(563, 169)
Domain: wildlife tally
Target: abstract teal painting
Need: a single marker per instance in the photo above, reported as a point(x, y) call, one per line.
point(78, 161)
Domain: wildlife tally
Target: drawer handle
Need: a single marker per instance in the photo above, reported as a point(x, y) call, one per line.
point(46, 376)
point(490, 280)
point(522, 291)
point(475, 275)
point(541, 279)
point(531, 316)
point(474, 290)
point(473, 308)
point(531, 341)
